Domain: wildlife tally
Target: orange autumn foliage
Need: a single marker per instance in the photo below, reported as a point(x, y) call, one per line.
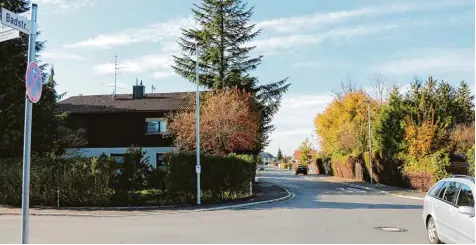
point(228, 123)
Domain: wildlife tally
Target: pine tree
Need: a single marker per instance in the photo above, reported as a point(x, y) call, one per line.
point(464, 104)
point(12, 97)
point(224, 60)
point(388, 131)
point(279, 156)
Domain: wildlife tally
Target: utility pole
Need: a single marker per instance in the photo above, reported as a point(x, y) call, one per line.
point(370, 144)
point(197, 124)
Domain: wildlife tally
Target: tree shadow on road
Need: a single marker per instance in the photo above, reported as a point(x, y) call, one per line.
point(322, 195)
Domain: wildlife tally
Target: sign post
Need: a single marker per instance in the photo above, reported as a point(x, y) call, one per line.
point(34, 85)
point(197, 124)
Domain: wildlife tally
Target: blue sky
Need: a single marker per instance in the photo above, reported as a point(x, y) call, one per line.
point(317, 44)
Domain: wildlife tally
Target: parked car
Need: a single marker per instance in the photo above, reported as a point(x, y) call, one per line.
point(448, 210)
point(261, 167)
point(301, 169)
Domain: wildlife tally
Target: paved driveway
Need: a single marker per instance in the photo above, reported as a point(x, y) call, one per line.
point(320, 212)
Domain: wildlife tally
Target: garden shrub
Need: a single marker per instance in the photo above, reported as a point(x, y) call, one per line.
point(80, 181)
point(470, 160)
point(220, 177)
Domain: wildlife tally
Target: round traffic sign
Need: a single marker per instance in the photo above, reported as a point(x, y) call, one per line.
point(34, 82)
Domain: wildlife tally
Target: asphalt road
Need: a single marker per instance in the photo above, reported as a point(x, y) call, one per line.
point(320, 212)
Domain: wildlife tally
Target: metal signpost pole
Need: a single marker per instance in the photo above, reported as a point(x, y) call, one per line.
point(198, 169)
point(370, 149)
point(27, 135)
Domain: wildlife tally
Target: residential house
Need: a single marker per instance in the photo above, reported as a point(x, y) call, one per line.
point(266, 158)
point(114, 123)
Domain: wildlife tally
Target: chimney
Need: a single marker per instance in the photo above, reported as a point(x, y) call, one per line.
point(138, 91)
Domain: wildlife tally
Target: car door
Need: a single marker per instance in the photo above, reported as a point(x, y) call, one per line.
point(445, 212)
point(463, 223)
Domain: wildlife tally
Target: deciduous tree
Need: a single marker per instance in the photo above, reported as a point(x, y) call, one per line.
point(228, 124)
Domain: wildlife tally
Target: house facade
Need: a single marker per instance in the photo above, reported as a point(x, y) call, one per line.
point(114, 123)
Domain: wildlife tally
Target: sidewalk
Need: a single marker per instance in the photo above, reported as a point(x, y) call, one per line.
point(262, 193)
point(390, 190)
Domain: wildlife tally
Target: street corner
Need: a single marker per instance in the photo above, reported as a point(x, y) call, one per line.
point(263, 193)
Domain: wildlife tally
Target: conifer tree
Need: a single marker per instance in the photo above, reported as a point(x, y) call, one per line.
point(224, 57)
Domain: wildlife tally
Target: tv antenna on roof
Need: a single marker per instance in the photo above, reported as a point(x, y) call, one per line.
point(116, 69)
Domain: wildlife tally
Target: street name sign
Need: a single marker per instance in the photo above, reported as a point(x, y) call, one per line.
point(7, 35)
point(15, 21)
point(34, 82)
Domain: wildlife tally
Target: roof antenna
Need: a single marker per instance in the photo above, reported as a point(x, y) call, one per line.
point(137, 81)
point(140, 82)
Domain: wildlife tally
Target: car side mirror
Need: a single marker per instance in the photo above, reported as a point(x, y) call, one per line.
point(467, 210)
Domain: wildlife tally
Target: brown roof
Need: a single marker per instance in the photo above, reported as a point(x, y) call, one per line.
point(125, 103)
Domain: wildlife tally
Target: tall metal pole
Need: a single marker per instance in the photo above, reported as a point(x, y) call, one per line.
point(197, 123)
point(27, 136)
point(115, 75)
point(370, 148)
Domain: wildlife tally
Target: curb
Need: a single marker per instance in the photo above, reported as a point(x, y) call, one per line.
point(375, 189)
point(289, 195)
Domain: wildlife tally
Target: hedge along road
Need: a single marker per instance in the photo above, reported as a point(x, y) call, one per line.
point(320, 212)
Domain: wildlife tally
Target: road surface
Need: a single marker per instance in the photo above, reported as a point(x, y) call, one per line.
point(320, 212)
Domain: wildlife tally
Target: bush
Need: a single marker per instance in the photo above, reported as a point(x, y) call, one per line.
point(132, 175)
point(421, 181)
point(80, 181)
point(343, 167)
point(220, 178)
point(470, 160)
point(427, 170)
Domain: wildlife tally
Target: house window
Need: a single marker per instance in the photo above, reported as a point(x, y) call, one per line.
point(118, 158)
point(159, 159)
point(156, 125)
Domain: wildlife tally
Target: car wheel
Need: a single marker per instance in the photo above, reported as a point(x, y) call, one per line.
point(431, 231)
point(305, 173)
point(296, 173)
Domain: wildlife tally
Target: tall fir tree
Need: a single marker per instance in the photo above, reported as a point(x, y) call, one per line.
point(279, 156)
point(12, 97)
point(464, 104)
point(224, 57)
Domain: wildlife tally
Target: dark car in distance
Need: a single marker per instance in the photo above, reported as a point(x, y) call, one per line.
point(301, 169)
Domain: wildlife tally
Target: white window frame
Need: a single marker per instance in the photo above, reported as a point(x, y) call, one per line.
point(161, 121)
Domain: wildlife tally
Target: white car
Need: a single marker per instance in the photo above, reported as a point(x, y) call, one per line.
point(448, 211)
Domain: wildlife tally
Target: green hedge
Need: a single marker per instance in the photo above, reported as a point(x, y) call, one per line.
point(80, 181)
point(221, 177)
point(100, 181)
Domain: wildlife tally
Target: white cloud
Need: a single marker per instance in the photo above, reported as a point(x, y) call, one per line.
point(307, 39)
point(294, 121)
point(57, 54)
point(318, 20)
point(163, 74)
point(430, 61)
point(163, 31)
point(138, 65)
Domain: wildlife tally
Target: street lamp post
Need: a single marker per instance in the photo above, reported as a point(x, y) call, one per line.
point(370, 144)
point(197, 123)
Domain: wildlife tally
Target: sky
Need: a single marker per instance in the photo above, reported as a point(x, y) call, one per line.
point(316, 44)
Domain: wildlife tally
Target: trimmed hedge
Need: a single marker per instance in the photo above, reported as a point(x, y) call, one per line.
point(80, 181)
point(99, 181)
point(221, 177)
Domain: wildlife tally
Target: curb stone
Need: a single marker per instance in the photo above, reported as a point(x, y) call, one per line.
point(289, 195)
point(375, 189)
